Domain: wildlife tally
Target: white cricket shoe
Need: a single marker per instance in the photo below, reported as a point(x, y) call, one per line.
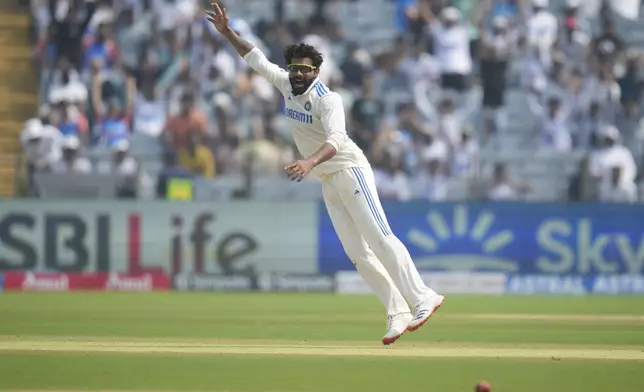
point(396, 327)
point(424, 310)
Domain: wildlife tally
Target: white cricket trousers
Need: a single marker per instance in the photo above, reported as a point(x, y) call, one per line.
point(380, 257)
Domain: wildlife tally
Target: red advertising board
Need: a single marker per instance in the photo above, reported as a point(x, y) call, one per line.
point(78, 281)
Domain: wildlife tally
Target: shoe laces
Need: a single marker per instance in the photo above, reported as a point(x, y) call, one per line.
point(390, 321)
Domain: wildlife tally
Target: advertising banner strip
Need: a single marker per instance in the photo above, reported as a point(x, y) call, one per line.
point(350, 282)
point(158, 237)
point(262, 282)
point(575, 285)
point(73, 281)
point(510, 238)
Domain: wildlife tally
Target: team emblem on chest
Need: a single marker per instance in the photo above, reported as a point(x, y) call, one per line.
point(307, 106)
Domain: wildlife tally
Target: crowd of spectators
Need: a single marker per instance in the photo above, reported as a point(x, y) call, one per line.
point(115, 68)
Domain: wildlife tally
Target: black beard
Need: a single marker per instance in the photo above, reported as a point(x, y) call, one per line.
point(300, 90)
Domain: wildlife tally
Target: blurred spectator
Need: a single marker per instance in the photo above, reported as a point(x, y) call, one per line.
point(554, 128)
point(631, 84)
point(399, 134)
point(450, 123)
point(588, 127)
point(72, 161)
point(617, 190)
point(101, 47)
point(114, 127)
point(423, 71)
point(196, 157)
point(111, 84)
point(608, 46)
point(188, 119)
point(67, 117)
point(68, 28)
point(130, 34)
point(391, 180)
point(611, 155)
point(366, 115)
point(407, 15)
point(606, 87)
point(41, 145)
point(502, 189)
point(452, 49)
point(64, 75)
point(121, 162)
point(542, 30)
point(431, 182)
point(465, 155)
point(125, 165)
point(495, 54)
point(355, 66)
point(433, 148)
point(265, 151)
point(149, 112)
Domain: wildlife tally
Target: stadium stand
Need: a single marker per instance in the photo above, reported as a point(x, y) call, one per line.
point(522, 114)
point(18, 90)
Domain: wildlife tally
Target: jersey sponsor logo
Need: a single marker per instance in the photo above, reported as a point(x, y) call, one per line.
point(299, 116)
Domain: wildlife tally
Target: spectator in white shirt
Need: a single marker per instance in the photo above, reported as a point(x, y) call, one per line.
point(612, 155)
point(149, 112)
point(555, 134)
point(40, 144)
point(502, 189)
point(450, 123)
point(465, 155)
point(452, 49)
point(432, 148)
point(588, 127)
point(125, 165)
point(606, 87)
point(121, 163)
point(617, 191)
point(72, 161)
point(432, 183)
point(542, 30)
point(391, 180)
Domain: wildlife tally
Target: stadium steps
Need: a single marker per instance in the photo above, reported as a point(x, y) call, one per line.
point(18, 89)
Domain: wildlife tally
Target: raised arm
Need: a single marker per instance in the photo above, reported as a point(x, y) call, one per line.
point(251, 54)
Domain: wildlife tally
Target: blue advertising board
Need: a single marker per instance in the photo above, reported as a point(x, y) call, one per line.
point(1, 281)
point(515, 238)
point(575, 285)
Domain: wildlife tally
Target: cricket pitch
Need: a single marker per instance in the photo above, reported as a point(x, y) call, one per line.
point(345, 349)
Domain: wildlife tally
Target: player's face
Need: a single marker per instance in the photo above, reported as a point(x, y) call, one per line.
point(301, 74)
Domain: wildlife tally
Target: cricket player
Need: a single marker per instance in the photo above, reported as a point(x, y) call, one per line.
point(348, 183)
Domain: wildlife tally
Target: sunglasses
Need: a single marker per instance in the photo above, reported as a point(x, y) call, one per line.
point(303, 68)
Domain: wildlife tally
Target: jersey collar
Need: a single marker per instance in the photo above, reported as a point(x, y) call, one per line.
point(317, 79)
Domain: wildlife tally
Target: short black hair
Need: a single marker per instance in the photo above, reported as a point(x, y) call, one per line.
point(303, 51)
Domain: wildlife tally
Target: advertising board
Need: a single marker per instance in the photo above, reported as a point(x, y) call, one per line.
point(161, 237)
point(265, 282)
point(350, 282)
point(74, 281)
point(584, 240)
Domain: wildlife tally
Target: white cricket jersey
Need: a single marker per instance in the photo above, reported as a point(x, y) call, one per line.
point(317, 117)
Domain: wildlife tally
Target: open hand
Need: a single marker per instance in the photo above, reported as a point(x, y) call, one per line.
point(218, 17)
point(299, 169)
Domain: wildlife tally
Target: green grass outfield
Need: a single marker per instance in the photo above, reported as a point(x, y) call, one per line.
point(315, 342)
